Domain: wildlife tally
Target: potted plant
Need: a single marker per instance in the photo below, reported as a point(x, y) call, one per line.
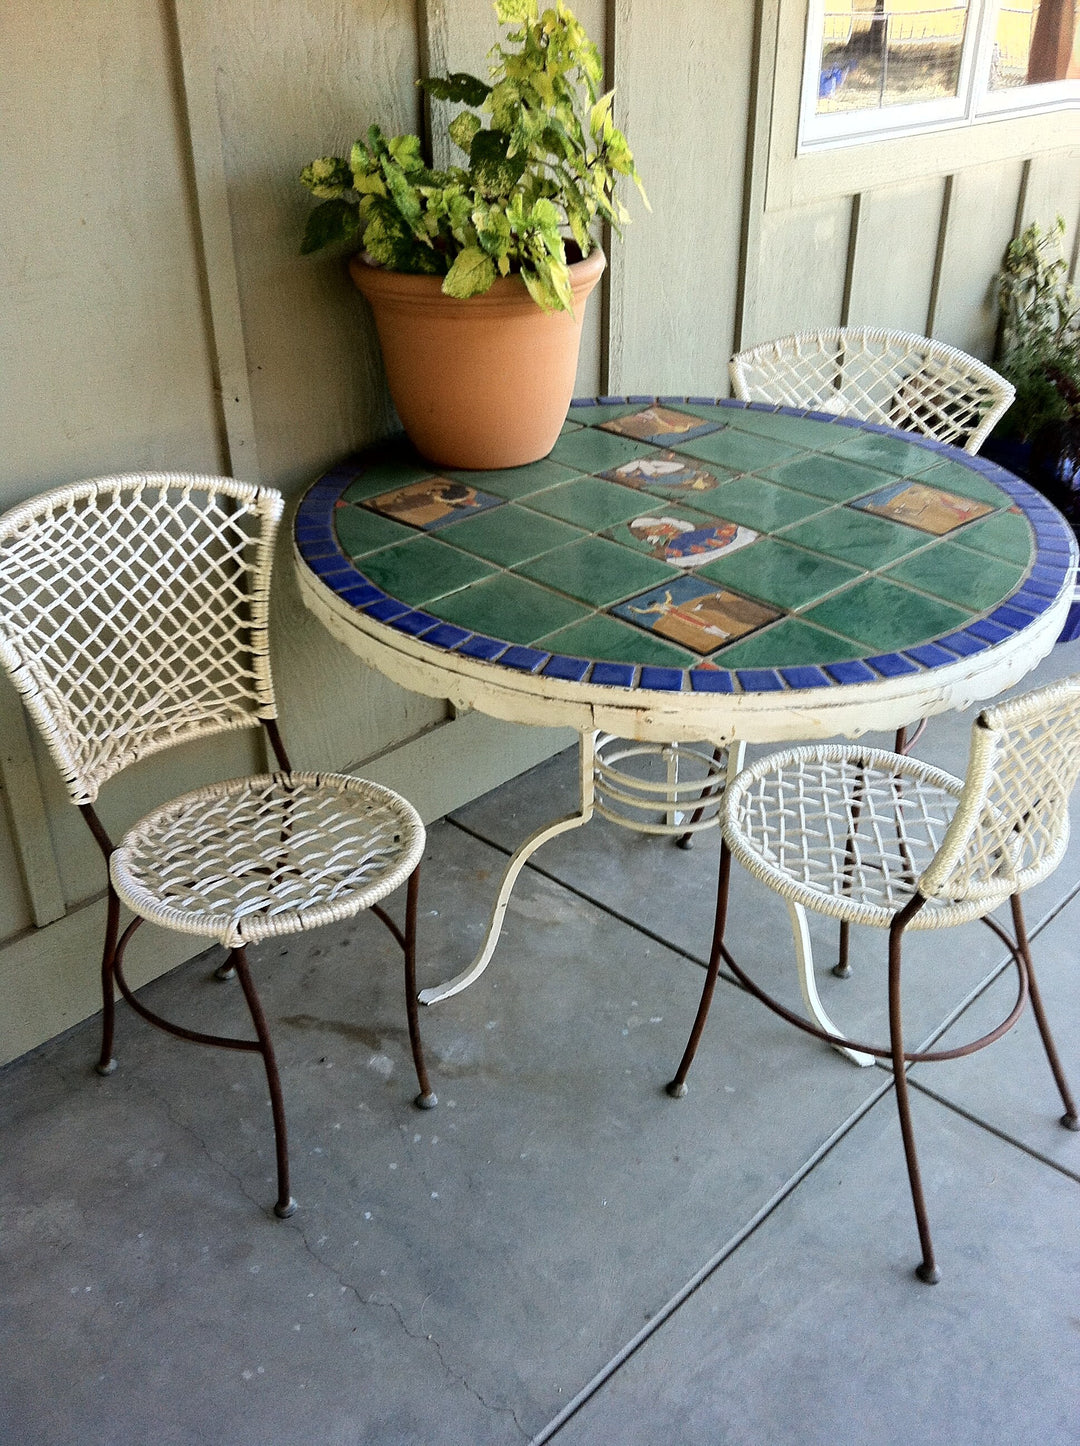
point(1040, 434)
point(478, 274)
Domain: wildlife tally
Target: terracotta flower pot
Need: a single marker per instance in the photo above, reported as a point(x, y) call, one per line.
point(481, 383)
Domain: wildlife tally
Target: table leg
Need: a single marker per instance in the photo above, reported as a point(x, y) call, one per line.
point(517, 862)
point(807, 983)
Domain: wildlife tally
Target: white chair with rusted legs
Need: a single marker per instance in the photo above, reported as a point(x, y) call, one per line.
point(134, 616)
point(882, 839)
point(893, 377)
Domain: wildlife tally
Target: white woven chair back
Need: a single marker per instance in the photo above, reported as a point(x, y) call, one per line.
point(1012, 824)
point(892, 377)
point(133, 615)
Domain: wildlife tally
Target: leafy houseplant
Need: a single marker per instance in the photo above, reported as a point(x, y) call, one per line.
point(1041, 357)
point(543, 159)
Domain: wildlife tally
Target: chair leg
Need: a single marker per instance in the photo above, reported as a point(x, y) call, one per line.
point(1069, 1119)
point(285, 1203)
point(677, 1087)
point(927, 1270)
point(106, 1063)
point(427, 1098)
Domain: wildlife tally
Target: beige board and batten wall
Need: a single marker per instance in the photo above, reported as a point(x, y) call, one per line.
point(157, 315)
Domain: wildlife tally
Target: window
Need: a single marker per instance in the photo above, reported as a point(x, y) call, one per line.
point(878, 67)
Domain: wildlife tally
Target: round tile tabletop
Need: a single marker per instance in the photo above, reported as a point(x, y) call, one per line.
point(683, 568)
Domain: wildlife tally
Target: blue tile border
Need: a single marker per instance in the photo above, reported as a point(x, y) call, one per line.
point(570, 670)
point(316, 543)
point(613, 675)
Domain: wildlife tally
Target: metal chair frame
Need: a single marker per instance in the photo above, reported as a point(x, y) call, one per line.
point(879, 838)
point(134, 616)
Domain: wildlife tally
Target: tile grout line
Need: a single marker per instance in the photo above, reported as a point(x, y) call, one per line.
point(666, 1311)
point(1069, 1173)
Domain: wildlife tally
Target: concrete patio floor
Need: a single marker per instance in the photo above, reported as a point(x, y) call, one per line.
point(559, 1251)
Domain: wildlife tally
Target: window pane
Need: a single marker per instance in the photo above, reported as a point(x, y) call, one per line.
point(1035, 43)
point(878, 53)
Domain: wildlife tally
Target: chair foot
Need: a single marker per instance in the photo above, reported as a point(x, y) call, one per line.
point(928, 1273)
point(426, 1101)
point(1070, 1121)
point(677, 1090)
point(108, 1066)
point(842, 971)
point(284, 1211)
point(225, 971)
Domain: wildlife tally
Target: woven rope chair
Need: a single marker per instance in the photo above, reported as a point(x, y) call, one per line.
point(882, 839)
point(892, 377)
point(133, 616)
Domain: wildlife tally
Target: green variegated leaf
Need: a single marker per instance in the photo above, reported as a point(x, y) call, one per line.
point(473, 272)
point(461, 88)
point(333, 221)
point(329, 178)
point(515, 12)
point(405, 195)
point(540, 291)
point(462, 129)
point(492, 230)
point(406, 152)
point(493, 172)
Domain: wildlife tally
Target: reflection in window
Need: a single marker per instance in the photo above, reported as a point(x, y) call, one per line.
point(878, 53)
point(1035, 43)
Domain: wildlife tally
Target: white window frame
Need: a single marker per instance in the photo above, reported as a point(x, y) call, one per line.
point(973, 103)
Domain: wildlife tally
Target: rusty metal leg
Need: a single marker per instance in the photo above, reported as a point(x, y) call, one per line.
point(842, 967)
point(686, 840)
point(677, 1088)
point(427, 1098)
point(1069, 1119)
point(927, 1270)
point(106, 1063)
point(285, 1203)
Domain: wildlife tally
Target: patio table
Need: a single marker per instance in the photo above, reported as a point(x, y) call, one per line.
point(683, 571)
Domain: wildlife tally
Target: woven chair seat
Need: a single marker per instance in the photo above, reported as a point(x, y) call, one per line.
point(257, 857)
point(848, 832)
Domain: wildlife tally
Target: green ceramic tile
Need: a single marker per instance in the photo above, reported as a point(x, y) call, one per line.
point(796, 430)
point(385, 475)
point(508, 535)
point(510, 608)
point(759, 504)
point(1005, 534)
point(830, 477)
point(954, 477)
point(777, 573)
point(517, 481)
point(788, 643)
point(591, 450)
point(878, 449)
point(885, 617)
point(739, 451)
point(589, 503)
point(569, 427)
point(959, 575)
point(360, 531)
point(422, 569)
point(601, 637)
point(597, 572)
point(856, 537)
